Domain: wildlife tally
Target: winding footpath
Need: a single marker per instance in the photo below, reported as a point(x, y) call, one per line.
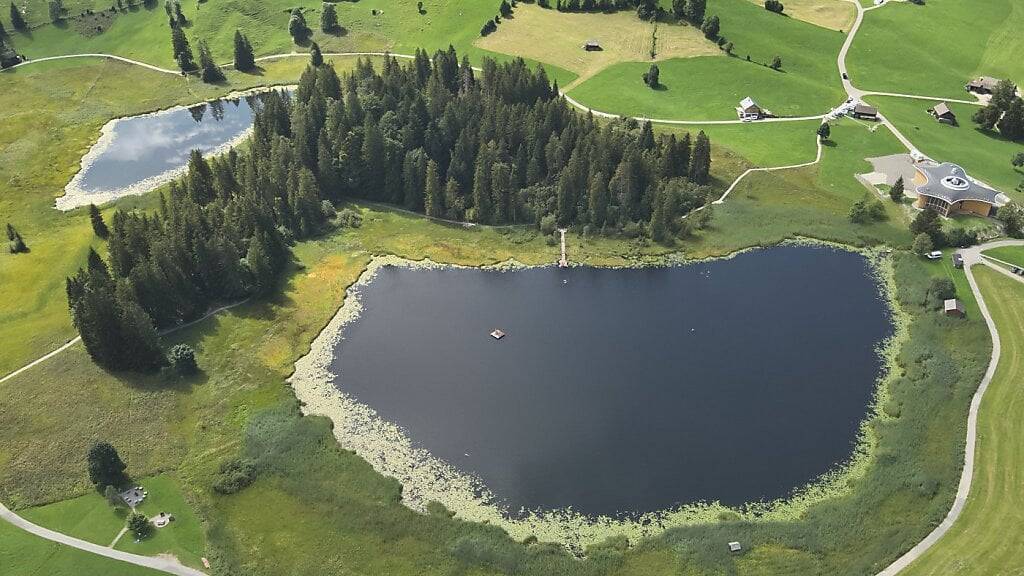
point(972, 256)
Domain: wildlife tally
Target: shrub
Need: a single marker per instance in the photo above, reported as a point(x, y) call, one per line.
point(183, 359)
point(328, 209)
point(632, 230)
point(349, 218)
point(922, 244)
point(140, 526)
point(547, 225)
point(961, 238)
point(496, 553)
point(235, 474)
point(942, 288)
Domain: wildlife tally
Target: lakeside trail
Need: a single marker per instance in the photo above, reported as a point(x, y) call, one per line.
point(165, 563)
point(972, 256)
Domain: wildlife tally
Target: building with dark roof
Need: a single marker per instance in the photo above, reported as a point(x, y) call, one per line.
point(948, 189)
point(942, 113)
point(982, 85)
point(866, 112)
point(592, 45)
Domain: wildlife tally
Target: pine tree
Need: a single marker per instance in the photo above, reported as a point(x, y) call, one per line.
point(316, 58)
point(329, 19)
point(659, 218)
point(297, 27)
point(182, 50)
point(17, 20)
point(434, 196)
point(244, 59)
point(824, 131)
point(700, 163)
point(211, 73)
point(105, 465)
point(695, 11)
point(99, 227)
point(597, 199)
point(896, 192)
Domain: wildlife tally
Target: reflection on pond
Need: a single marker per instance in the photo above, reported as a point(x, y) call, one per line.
point(139, 153)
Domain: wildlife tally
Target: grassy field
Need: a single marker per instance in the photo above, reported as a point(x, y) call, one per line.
point(832, 14)
point(143, 34)
point(22, 554)
point(557, 38)
point(1012, 254)
point(711, 87)
point(987, 538)
point(985, 155)
point(942, 44)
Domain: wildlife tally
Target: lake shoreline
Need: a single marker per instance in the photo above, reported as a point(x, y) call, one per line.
point(426, 478)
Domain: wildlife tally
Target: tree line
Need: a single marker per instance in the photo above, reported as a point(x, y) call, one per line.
point(431, 136)
point(1005, 112)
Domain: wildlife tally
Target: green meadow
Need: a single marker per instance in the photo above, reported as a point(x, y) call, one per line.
point(935, 48)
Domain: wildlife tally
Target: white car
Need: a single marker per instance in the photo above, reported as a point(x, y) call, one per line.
point(935, 255)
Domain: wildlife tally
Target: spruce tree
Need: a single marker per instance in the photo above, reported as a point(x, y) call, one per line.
point(695, 11)
point(434, 195)
point(700, 163)
point(329, 19)
point(99, 227)
point(182, 50)
point(211, 73)
point(297, 27)
point(105, 466)
point(896, 192)
point(3, 34)
point(244, 59)
point(17, 20)
point(316, 58)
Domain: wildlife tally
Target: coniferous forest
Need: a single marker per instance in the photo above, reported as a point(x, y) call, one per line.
point(496, 146)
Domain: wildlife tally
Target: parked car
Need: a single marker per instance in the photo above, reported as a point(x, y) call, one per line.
point(958, 260)
point(846, 76)
point(935, 255)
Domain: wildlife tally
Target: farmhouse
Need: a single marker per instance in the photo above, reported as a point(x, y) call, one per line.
point(947, 189)
point(982, 85)
point(954, 307)
point(592, 45)
point(943, 114)
point(749, 110)
point(865, 112)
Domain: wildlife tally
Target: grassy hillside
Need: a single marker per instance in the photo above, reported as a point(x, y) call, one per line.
point(22, 554)
point(711, 87)
point(935, 48)
point(987, 538)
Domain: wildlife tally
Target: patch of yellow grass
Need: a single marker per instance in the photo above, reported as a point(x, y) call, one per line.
point(557, 38)
point(832, 14)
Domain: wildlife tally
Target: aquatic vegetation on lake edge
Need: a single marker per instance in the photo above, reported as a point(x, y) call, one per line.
point(426, 478)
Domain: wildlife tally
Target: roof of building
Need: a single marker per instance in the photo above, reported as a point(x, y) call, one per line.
point(951, 183)
point(592, 43)
point(987, 82)
point(953, 304)
point(748, 103)
point(865, 109)
point(942, 109)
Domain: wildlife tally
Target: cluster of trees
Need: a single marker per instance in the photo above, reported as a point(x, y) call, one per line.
point(866, 210)
point(16, 244)
point(234, 475)
point(209, 70)
point(106, 469)
point(929, 235)
point(504, 11)
point(502, 148)
point(607, 6)
point(1005, 111)
point(773, 6)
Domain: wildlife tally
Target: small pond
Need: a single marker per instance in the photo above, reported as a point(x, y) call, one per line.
point(626, 391)
point(137, 154)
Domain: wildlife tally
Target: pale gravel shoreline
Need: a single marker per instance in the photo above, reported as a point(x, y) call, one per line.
point(76, 197)
point(425, 478)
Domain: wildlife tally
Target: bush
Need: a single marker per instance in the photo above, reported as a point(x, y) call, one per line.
point(349, 218)
point(328, 209)
point(183, 359)
point(942, 288)
point(961, 238)
point(632, 230)
point(867, 210)
point(547, 225)
point(140, 526)
point(922, 244)
point(235, 474)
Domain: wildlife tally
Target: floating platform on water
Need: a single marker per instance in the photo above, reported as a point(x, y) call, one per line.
point(497, 334)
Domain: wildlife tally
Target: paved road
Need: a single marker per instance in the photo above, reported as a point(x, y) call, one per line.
point(161, 563)
point(972, 257)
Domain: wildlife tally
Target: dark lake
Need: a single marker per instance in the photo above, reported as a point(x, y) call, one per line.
point(148, 146)
point(626, 391)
